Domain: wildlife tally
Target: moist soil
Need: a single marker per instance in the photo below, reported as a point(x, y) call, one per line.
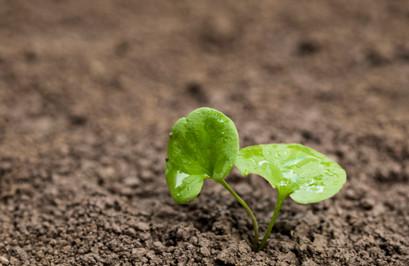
point(89, 91)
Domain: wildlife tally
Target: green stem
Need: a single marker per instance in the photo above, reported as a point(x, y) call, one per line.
point(247, 208)
point(277, 209)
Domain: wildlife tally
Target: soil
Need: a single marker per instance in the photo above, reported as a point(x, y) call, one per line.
point(89, 90)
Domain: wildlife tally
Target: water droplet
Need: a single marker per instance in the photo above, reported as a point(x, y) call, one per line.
point(313, 187)
point(180, 178)
point(317, 189)
point(291, 176)
point(261, 163)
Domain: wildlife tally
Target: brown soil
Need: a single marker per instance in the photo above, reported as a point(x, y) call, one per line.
point(89, 90)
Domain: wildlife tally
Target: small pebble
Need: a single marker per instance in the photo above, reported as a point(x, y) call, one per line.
point(350, 194)
point(142, 226)
point(193, 240)
point(144, 236)
point(367, 204)
point(3, 260)
point(205, 251)
point(130, 232)
point(116, 228)
point(146, 175)
point(139, 251)
point(132, 181)
point(158, 245)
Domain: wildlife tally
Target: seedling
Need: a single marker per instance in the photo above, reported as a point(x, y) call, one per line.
point(294, 170)
point(205, 146)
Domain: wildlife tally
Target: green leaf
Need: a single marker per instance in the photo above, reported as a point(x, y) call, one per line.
point(293, 169)
point(202, 145)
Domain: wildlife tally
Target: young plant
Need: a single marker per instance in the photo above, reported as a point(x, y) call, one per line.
point(295, 171)
point(205, 145)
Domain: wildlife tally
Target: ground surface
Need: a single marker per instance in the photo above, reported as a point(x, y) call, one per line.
point(88, 92)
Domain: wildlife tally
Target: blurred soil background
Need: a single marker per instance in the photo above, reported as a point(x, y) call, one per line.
point(90, 89)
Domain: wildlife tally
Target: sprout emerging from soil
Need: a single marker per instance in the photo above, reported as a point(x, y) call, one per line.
point(205, 145)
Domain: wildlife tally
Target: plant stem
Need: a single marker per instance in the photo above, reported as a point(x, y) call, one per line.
point(277, 209)
point(250, 213)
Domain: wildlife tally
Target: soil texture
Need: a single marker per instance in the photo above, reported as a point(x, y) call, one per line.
point(90, 89)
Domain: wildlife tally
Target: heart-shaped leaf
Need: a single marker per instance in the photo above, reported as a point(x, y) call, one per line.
point(293, 169)
point(202, 145)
